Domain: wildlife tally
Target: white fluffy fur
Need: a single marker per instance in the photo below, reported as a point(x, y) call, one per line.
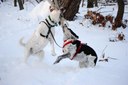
point(36, 43)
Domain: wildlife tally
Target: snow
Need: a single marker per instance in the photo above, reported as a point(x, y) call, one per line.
point(15, 24)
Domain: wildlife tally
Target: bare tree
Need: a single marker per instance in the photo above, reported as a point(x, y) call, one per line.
point(38, 1)
point(71, 8)
point(120, 9)
point(90, 3)
point(15, 3)
point(83, 2)
point(96, 4)
point(20, 2)
point(119, 17)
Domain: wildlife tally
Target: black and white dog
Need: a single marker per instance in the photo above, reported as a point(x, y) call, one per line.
point(43, 34)
point(75, 50)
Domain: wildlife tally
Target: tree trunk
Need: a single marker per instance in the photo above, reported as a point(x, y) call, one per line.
point(119, 17)
point(71, 8)
point(120, 9)
point(41, 0)
point(20, 4)
point(15, 3)
point(22, 1)
point(90, 4)
point(83, 2)
point(95, 1)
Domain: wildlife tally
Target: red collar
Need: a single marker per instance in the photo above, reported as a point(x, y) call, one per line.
point(78, 49)
point(66, 43)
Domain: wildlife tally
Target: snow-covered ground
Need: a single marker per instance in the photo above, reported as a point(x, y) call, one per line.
point(15, 24)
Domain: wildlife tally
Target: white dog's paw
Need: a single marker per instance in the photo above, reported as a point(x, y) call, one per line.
point(53, 54)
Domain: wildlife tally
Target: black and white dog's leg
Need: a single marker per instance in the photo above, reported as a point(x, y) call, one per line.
point(83, 64)
point(88, 62)
point(59, 58)
point(92, 61)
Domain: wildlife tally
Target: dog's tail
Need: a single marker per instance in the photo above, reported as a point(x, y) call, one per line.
point(21, 41)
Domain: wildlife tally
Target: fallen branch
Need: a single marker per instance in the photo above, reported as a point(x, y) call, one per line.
point(105, 59)
point(105, 11)
point(100, 9)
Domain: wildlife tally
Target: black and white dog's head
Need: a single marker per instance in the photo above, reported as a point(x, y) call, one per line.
point(68, 33)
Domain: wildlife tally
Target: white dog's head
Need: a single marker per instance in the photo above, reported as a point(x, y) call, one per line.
point(55, 15)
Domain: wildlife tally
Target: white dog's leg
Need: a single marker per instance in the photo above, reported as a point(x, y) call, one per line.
point(52, 47)
point(40, 54)
point(27, 54)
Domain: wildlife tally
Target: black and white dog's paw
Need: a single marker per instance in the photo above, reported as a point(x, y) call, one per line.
point(59, 58)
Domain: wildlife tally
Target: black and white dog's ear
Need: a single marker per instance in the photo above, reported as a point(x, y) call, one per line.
point(74, 34)
point(77, 42)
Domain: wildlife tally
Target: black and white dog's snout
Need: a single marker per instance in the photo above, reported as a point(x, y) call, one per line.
point(67, 55)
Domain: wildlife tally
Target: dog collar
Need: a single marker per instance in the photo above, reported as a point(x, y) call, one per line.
point(78, 49)
point(49, 25)
point(66, 43)
point(50, 19)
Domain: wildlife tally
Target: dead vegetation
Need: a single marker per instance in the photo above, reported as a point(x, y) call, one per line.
point(101, 20)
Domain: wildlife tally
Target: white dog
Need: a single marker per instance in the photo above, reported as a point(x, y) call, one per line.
point(42, 35)
point(75, 50)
